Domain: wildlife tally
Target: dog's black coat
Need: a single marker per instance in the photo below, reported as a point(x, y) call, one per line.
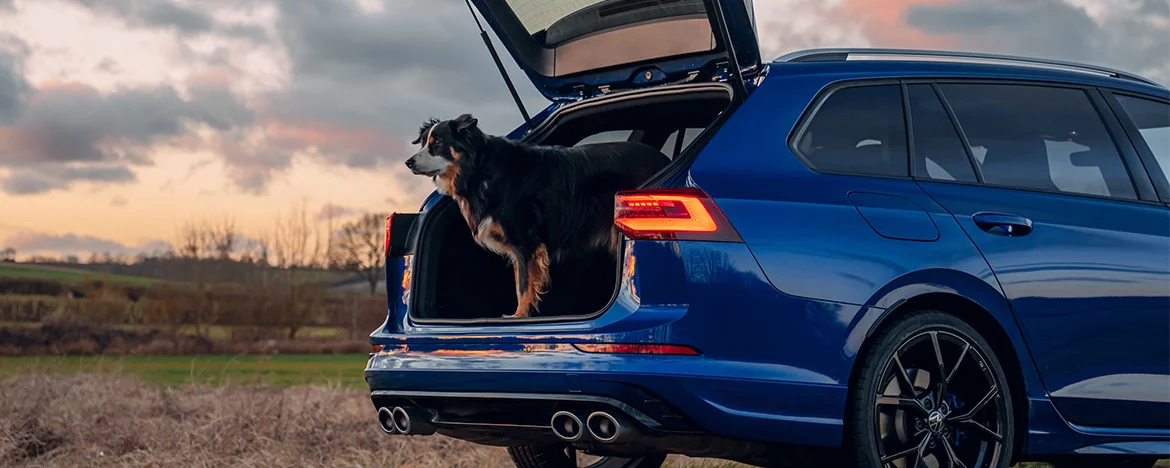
point(553, 198)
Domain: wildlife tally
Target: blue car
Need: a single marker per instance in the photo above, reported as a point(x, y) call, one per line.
point(873, 258)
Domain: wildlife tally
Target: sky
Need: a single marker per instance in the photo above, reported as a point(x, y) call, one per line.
point(122, 119)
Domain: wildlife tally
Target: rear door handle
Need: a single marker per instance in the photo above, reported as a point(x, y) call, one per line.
point(1003, 224)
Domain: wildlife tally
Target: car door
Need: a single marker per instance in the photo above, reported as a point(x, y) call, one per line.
point(1057, 200)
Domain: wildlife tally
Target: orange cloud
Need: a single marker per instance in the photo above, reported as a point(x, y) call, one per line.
point(884, 22)
point(324, 135)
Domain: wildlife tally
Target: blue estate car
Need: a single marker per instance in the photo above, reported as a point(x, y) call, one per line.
point(878, 258)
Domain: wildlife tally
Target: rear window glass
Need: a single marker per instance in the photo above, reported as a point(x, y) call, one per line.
point(1152, 119)
point(538, 15)
point(858, 130)
point(606, 137)
point(559, 21)
point(1040, 138)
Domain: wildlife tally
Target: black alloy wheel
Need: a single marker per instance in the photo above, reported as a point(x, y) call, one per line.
point(932, 394)
point(560, 456)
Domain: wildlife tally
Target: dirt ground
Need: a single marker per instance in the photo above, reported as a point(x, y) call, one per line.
point(111, 420)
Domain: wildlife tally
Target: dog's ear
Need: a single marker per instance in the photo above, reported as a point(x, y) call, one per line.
point(423, 129)
point(465, 122)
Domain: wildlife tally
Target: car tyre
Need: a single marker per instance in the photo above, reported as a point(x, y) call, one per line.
point(555, 456)
point(931, 392)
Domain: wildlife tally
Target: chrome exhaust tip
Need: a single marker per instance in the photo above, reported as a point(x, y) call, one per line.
point(605, 427)
point(411, 421)
point(386, 420)
point(567, 426)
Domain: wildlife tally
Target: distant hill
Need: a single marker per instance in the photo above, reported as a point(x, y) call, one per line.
point(67, 275)
point(154, 270)
point(182, 270)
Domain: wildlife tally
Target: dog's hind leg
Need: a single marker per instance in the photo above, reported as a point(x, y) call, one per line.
point(531, 272)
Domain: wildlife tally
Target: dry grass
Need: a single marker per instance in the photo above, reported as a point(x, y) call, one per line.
point(108, 420)
point(117, 420)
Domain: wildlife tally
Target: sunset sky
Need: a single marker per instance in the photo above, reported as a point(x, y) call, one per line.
point(121, 119)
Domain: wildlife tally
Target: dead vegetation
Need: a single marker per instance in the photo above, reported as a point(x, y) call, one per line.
point(101, 420)
point(107, 420)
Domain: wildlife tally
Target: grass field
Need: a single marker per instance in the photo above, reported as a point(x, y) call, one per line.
point(68, 275)
point(345, 371)
point(112, 412)
point(214, 332)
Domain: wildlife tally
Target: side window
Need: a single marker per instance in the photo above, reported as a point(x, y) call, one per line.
point(858, 130)
point(1152, 119)
point(611, 136)
point(1041, 138)
point(938, 150)
point(688, 134)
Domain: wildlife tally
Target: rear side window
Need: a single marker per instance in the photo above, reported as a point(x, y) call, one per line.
point(1152, 119)
point(857, 130)
point(611, 136)
point(938, 151)
point(1040, 138)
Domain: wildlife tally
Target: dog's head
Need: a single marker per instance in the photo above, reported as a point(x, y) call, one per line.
point(444, 145)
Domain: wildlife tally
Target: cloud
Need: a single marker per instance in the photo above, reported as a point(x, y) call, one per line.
point(66, 132)
point(43, 178)
point(1127, 34)
point(14, 88)
point(119, 200)
point(165, 14)
point(330, 210)
point(40, 242)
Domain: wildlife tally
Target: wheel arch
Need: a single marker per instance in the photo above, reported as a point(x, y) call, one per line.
point(974, 301)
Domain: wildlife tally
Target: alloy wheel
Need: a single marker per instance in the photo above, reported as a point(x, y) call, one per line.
point(939, 405)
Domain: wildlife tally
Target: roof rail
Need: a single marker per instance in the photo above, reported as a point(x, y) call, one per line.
point(840, 55)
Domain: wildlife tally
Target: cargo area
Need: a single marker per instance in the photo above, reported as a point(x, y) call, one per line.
point(456, 280)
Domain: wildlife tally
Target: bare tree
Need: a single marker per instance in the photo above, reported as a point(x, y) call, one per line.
point(296, 247)
point(224, 237)
point(359, 247)
point(8, 255)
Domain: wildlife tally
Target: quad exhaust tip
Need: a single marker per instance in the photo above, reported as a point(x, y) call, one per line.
point(386, 420)
point(410, 421)
point(567, 426)
point(605, 427)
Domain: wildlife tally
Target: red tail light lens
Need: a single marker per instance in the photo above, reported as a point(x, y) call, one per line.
point(389, 222)
point(671, 214)
point(619, 348)
point(376, 348)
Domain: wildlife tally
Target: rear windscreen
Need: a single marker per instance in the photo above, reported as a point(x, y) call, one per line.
point(538, 15)
point(558, 21)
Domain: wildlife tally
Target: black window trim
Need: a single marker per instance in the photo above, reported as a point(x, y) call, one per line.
point(819, 100)
point(955, 125)
point(1145, 154)
point(1088, 90)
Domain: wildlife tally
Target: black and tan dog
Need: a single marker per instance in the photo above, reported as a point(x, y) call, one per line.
point(532, 204)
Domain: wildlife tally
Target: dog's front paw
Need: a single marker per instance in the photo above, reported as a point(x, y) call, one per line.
point(520, 313)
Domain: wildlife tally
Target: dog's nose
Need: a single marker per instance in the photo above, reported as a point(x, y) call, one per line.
point(410, 163)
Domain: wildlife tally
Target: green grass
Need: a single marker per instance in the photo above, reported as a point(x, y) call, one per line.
point(172, 371)
point(68, 275)
point(214, 332)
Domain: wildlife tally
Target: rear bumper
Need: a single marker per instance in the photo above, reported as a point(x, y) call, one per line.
point(665, 396)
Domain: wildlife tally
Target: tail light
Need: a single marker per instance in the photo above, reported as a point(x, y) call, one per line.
point(389, 222)
point(671, 214)
point(620, 348)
